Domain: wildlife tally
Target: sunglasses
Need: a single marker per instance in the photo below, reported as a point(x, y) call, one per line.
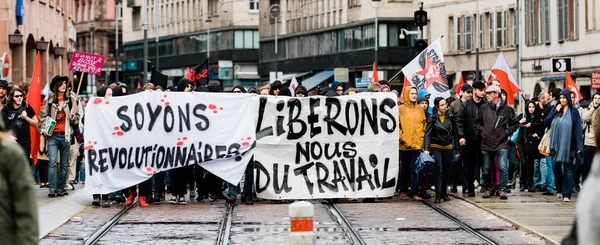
point(18, 96)
point(189, 86)
point(301, 93)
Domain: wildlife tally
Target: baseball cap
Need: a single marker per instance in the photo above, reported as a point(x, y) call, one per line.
point(492, 88)
point(3, 83)
point(466, 88)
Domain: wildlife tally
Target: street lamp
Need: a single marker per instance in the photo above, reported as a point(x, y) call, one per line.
point(274, 12)
point(208, 20)
point(376, 4)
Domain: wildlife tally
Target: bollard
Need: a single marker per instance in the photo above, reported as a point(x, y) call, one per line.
point(301, 223)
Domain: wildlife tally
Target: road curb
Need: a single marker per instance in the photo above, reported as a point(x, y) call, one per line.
point(55, 213)
point(515, 223)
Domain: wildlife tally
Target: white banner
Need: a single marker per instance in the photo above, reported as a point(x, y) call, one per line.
point(128, 139)
point(334, 147)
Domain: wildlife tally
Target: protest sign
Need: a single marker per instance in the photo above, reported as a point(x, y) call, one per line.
point(326, 147)
point(129, 139)
point(427, 71)
point(89, 63)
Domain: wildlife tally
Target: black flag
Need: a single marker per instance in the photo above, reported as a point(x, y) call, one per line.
point(198, 74)
point(159, 79)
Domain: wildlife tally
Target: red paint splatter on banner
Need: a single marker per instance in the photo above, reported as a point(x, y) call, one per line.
point(117, 128)
point(181, 141)
point(90, 146)
point(245, 144)
point(220, 108)
point(167, 103)
point(107, 102)
point(97, 101)
point(120, 133)
point(212, 107)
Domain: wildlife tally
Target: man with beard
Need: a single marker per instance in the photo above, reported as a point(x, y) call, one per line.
point(469, 139)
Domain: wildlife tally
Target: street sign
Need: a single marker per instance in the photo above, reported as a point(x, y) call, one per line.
point(340, 75)
point(561, 64)
point(5, 61)
point(363, 82)
point(596, 80)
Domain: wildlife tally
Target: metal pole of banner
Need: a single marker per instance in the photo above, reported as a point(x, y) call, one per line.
point(145, 27)
point(157, 26)
point(208, 20)
point(518, 44)
point(477, 44)
point(92, 80)
point(117, 17)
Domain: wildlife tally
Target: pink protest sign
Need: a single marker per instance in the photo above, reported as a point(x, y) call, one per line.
point(89, 63)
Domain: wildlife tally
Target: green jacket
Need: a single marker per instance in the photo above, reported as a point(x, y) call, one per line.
point(18, 206)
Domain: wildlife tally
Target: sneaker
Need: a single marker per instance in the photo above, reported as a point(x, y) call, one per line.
point(192, 194)
point(503, 195)
point(131, 198)
point(508, 190)
point(559, 196)
point(143, 202)
point(64, 193)
point(532, 190)
point(119, 198)
point(417, 198)
point(396, 193)
point(476, 183)
point(173, 200)
point(566, 199)
point(522, 189)
point(59, 194)
point(486, 193)
point(181, 200)
point(403, 196)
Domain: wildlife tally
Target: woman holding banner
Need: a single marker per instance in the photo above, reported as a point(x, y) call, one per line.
point(441, 140)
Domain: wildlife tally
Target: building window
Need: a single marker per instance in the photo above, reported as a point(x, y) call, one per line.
point(383, 42)
point(254, 5)
point(515, 34)
point(246, 39)
point(468, 33)
point(544, 21)
point(531, 18)
point(459, 34)
point(575, 20)
point(500, 29)
point(563, 20)
point(490, 17)
point(591, 15)
point(451, 33)
point(480, 28)
point(135, 16)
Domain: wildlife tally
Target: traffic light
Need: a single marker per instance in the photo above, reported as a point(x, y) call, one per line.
point(420, 45)
point(420, 17)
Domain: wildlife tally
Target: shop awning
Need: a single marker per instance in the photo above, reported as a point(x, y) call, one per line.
point(288, 77)
point(315, 80)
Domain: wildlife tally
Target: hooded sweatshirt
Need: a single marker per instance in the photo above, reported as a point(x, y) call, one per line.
point(412, 123)
point(590, 117)
point(182, 84)
point(576, 143)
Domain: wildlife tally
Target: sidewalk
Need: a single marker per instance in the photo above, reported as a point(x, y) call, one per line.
point(53, 212)
point(547, 216)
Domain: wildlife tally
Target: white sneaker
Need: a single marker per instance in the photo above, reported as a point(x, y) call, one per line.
point(475, 184)
point(566, 199)
point(559, 196)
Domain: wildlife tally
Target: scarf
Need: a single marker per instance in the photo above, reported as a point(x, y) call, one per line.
point(560, 137)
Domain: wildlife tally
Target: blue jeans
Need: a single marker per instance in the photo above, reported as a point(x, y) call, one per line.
point(563, 171)
point(540, 170)
point(550, 174)
point(488, 160)
point(233, 190)
point(33, 171)
point(58, 143)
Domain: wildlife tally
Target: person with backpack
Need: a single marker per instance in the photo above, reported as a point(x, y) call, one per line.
point(19, 116)
point(58, 109)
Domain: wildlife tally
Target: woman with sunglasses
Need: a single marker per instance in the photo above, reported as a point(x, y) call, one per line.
point(19, 116)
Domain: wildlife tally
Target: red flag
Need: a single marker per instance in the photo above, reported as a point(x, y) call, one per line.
point(375, 78)
point(461, 82)
point(138, 87)
point(501, 72)
point(34, 99)
point(570, 84)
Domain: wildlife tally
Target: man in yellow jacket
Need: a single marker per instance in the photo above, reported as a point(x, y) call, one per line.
point(412, 133)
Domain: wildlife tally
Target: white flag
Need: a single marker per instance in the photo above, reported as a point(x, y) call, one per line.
point(293, 86)
point(428, 71)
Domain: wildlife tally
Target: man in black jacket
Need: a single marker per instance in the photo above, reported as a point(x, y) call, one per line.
point(469, 140)
point(495, 123)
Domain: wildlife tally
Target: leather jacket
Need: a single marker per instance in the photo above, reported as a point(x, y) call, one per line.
point(441, 133)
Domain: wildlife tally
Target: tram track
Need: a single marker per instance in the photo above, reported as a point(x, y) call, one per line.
point(466, 227)
point(225, 226)
point(109, 225)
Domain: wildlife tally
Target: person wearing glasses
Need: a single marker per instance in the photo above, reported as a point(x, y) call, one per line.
point(238, 89)
point(338, 87)
point(275, 88)
point(300, 91)
point(19, 116)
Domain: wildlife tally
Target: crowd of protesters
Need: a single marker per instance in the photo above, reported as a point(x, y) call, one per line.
point(476, 140)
